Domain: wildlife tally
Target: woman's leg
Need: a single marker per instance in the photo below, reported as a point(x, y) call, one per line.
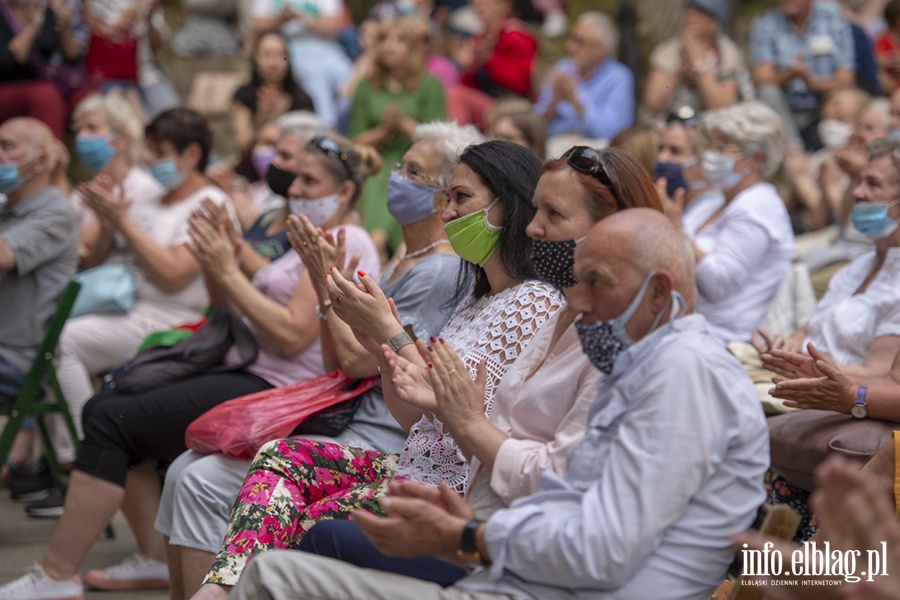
point(141, 503)
point(197, 499)
point(91, 503)
point(287, 477)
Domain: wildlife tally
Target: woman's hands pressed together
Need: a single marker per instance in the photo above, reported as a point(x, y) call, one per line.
point(110, 208)
point(211, 244)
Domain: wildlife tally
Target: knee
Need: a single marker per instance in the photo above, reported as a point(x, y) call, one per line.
point(96, 416)
point(326, 538)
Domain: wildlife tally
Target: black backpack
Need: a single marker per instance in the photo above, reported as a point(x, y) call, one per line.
point(203, 352)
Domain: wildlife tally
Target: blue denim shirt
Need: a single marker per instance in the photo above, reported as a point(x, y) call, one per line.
point(826, 44)
point(607, 97)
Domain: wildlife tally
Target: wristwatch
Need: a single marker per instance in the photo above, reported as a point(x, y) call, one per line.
point(468, 546)
point(395, 342)
point(859, 409)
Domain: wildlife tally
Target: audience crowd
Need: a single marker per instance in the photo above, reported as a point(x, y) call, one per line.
point(600, 315)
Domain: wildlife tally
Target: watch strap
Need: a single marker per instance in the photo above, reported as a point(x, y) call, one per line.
point(861, 395)
point(395, 342)
point(467, 541)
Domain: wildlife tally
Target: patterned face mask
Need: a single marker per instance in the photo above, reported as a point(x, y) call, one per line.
point(554, 262)
point(604, 341)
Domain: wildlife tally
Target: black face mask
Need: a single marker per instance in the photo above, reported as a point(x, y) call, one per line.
point(554, 262)
point(279, 180)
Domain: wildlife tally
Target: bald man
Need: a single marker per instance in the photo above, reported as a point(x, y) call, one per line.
point(671, 465)
point(38, 246)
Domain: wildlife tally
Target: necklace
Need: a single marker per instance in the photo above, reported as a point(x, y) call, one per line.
point(430, 246)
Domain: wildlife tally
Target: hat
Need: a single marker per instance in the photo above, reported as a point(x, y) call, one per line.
point(717, 8)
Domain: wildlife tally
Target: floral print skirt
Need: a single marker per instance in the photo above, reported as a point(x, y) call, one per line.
point(290, 486)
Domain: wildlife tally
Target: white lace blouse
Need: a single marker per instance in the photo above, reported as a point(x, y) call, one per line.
point(497, 327)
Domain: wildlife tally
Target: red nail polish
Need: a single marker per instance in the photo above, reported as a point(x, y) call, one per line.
point(331, 268)
point(441, 340)
point(431, 348)
point(361, 273)
point(326, 277)
point(430, 366)
point(432, 339)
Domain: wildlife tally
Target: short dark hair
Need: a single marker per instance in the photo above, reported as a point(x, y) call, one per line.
point(511, 172)
point(892, 12)
point(182, 127)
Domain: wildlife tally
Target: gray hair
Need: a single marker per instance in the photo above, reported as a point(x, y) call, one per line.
point(604, 28)
point(448, 141)
point(121, 118)
point(303, 124)
point(756, 127)
point(658, 246)
point(885, 146)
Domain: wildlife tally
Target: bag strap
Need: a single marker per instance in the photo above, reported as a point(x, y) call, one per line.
point(243, 340)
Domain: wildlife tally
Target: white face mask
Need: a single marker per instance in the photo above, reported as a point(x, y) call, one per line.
point(719, 170)
point(834, 134)
point(319, 211)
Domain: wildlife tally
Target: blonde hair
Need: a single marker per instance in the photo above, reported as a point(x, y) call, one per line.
point(121, 118)
point(642, 142)
point(413, 31)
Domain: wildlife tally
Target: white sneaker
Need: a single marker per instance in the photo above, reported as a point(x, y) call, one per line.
point(37, 585)
point(134, 573)
point(556, 23)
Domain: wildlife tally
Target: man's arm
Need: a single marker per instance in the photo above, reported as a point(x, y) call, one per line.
point(38, 239)
point(601, 537)
point(7, 258)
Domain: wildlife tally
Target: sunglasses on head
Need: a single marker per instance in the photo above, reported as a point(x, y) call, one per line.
point(686, 115)
point(590, 162)
point(331, 149)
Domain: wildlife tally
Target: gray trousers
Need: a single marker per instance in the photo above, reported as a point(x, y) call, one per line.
point(291, 575)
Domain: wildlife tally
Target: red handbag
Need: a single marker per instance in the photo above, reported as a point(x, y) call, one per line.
point(237, 428)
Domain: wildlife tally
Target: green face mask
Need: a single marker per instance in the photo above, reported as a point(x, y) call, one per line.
point(473, 237)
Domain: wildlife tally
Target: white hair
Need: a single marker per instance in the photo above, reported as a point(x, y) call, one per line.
point(121, 117)
point(448, 141)
point(302, 123)
point(756, 127)
point(604, 28)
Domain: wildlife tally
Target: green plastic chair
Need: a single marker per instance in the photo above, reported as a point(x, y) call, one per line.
point(31, 403)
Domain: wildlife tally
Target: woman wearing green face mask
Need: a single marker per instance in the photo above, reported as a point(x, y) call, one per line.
point(490, 327)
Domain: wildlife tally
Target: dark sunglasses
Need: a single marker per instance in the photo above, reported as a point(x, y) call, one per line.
point(331, 149)
point(686, 115)
point(590, 162)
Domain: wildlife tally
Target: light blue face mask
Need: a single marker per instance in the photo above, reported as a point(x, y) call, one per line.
point(895, 134)
point(166, 173)
point(408, 201)
point(10, 180)
point(94, 152)
point(871, 219)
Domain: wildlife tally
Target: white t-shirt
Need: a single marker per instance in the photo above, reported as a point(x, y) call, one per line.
point(749, 247)
point(267, 9)
point(167, 225)
point(845, 324)
point(137, 184)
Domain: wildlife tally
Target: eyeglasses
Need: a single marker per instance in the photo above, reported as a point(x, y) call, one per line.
point(590, 162)
point(330, 148)
point(406, 172)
